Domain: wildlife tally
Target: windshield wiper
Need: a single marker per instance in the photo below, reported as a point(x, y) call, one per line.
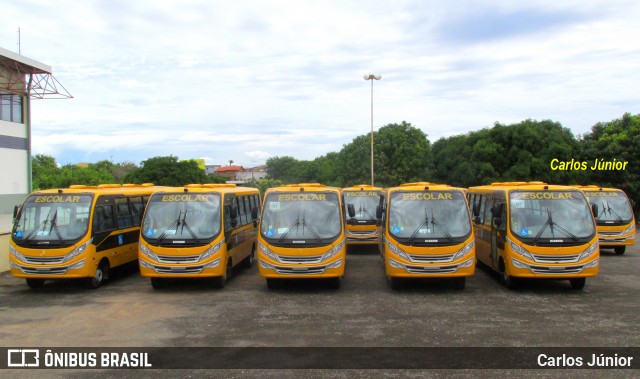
point(42, 224)
point(54, 226)
point(614, 211)
point(551, 224)
point(175, 224)
point(295, 224)
point(184, 224)
point(304, 224)
point(363, 210)
point(442, 227)
point(425, 222)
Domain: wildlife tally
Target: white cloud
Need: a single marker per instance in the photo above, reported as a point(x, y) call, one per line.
point(250, 80)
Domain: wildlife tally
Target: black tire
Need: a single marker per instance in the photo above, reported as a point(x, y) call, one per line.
point(273, 283)
point(102, 271)
point(459, 282)
point(394, 283)
point(220, 281)
point(578, 283)
point(35, 283)
point(509, 281)
point(619, 249)
point(158, 283)
point(334, 283)
point(248, 261)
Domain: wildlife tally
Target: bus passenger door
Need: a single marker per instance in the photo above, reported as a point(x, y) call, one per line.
point(498, 221)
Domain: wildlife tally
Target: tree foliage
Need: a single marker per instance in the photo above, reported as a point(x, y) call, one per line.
point(167, 171)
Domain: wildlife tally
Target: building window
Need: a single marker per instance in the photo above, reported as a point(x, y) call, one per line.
point(10, 107)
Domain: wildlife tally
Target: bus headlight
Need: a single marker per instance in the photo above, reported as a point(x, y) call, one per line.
point(77, 265)
point(210, 251)
point(589, 252)
point(464, 251)
point(146, 251)
point(397, 251)
point(77, 251)
point(264, 250)
point(13, 251)
point(333, 251)
point(630, 229)
point(520, 250)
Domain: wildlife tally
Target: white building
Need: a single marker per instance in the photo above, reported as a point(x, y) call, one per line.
point(21, 79)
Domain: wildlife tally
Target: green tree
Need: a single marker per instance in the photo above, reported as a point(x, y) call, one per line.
point(167, 171)
point(44, 171)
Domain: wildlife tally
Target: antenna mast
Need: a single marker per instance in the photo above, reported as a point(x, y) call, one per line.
point(18, 40)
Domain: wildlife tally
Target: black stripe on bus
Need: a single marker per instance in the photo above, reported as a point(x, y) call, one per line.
point(113, 240)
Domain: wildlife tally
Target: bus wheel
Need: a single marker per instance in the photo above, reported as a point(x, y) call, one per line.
point(458, 283)
point(101, 273)
point(334, 283)
point(221, 281)
point(578, 283)
point(509, 281)
point(35, 283)
point(248, 261)
point(273, 283)
point(619, 249)
point(394, 283)
point(158, 283)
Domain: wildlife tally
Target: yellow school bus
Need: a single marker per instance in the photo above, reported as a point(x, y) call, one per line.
point(302, 234)
point(198, 231)
point(615, 222)
point(426, 232)
point(535, 230)
point(77, 232)
point(362, 229)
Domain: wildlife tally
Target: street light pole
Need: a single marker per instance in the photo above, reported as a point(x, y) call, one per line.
point(372, 77)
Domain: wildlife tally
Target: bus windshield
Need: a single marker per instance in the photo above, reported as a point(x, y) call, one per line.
point(550, 214)
point(55, 220)
point(613, 207)
point(180, 217)
point(301, 217)
point(364, 202)
point(429, 217)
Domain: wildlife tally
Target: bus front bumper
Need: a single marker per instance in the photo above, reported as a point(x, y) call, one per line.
point(519, 268)
point(150, 269)
point(330, 269)
point(396, 268)
point(79, 269)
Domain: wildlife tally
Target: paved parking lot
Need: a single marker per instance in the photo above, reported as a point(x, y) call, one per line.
point(364, 312)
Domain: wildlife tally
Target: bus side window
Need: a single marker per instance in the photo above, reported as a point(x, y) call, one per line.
point(489, 203)
point(103, 218)
point(257, 202)
point(247, 208)
point(124, 213)
point(227, 217)
point(137, 208)
point(241, 211)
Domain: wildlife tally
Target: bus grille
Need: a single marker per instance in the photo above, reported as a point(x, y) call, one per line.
point(43, 260)
point(44, 270)
point(610, 234)
point(300, 259)
point(431, 258)
point(178, 269)
point(178, 258)
point(364, 232)
point(300, 270)
point(431, 270)
point(556, 270)
point(556, 258)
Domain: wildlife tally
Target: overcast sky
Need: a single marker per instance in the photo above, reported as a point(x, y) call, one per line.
point(248, 80)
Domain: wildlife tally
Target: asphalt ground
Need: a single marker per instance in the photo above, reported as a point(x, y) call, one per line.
point(364, 312)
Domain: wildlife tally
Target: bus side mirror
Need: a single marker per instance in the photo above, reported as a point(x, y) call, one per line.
point(254, 216)
point(233, 213)
point(497, 221)
point(476, 210)
point(497, 210)
point(15, 211)
point(477, 220)
point(352, 210)
point(594, 209)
